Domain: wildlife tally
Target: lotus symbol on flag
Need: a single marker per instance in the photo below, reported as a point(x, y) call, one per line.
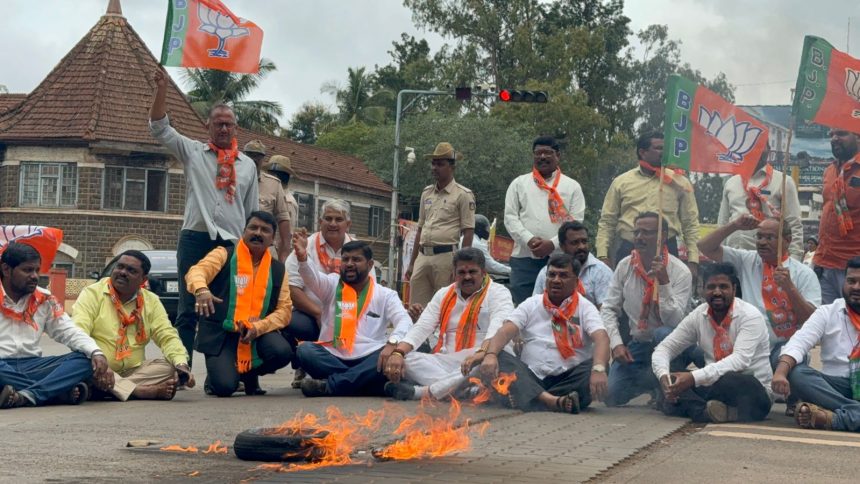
point(221, 26)
point(739, 138)
point(852, 84)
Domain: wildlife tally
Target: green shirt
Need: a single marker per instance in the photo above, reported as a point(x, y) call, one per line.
point(95, 314)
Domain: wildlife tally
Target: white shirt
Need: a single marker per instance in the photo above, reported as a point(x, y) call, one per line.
point(540, 351)
point(20, 340)
point(829, 326)
point(384, 308)
point(595, 277)
point(527, 210)
point(627, 290)
point(495, 308)
point(292, 264)
point(491, 265)
point(749, 266)
point(734, 203)
point(750, 355)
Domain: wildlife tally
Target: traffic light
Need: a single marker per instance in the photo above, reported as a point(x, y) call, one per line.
point(519, 96)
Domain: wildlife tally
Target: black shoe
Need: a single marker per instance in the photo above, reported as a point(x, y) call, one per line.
point(399, 391)
point(314, 388)
point(297, 379)
point(252, 386)
point(207, 389)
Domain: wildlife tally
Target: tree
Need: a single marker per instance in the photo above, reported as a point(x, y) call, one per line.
point(209, 87)
point(709, 195)
point(357, 101)
point(309, 122)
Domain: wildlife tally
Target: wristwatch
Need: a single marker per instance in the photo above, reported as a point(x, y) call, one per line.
point(598, 368)
point(393, 340)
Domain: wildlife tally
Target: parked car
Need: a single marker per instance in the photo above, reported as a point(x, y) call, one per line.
point(163, 279)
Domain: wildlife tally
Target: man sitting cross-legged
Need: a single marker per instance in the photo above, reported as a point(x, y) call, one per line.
point(562, 332)
point(830, 398)
point(243, 298)
point(26, 312)
point(735, 382)
point(462, 313)
point(123, 317)
point(356, 313)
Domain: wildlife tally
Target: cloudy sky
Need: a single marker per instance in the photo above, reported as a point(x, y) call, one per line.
point(755, 42)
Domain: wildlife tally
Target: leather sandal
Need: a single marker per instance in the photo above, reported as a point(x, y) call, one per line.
point(571, 399)
point(10, 398)
point(819, 418)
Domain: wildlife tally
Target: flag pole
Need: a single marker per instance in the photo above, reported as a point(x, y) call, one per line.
point(660, 176)
point(779, 244)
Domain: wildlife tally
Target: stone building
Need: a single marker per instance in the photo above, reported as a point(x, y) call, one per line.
point(76, 153)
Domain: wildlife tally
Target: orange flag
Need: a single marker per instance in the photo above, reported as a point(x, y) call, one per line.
point(206, 34)
point(46, 240)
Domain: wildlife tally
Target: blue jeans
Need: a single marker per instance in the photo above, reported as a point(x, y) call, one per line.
point(524, 272)
point(629, 380)
point(832, 281)
point(343, 377)
point(44, 378)
point(830, 392)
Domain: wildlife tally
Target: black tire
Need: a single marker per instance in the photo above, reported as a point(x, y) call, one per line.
point(262, 444)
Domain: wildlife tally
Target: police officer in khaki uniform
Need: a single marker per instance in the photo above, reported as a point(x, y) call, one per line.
point(447, 211)
point(280, 166)
point(272, 198)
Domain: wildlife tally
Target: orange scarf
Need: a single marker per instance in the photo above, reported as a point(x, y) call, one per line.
point(776, 303)
point(649, 302)
point(722, 342)
point(468, 325)
point(840, 203)
point(225, 178)
point(565, 327)
point(668, 175)
point(755, 199)
point(26, 316)
point(328, 264)
point(249, 298)
point(350, 307)
point(123, 350)
point(557, 211)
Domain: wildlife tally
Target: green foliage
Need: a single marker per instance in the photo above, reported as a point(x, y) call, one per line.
point(209, 87)
point(709, 195)
point(311, 121)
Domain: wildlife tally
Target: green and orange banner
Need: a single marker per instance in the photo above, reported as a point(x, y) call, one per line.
point(707, 134)
point(206, 34)
point(828, 87)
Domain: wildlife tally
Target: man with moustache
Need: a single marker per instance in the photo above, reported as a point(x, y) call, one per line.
point(123, 317)
point(353, 347)
point(220, 192)
point(830, 398)
point(243, 299)
point(26, 312)
point(786, 291)
point(595, 276)
point(839, 229)
point(446, 212)
point(631, 295)
point(734, 384)
point(562, 367)
point(638, 191)
point(463, 313)
point(536, 204)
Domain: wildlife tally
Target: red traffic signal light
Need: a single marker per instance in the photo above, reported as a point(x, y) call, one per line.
point(520, 96)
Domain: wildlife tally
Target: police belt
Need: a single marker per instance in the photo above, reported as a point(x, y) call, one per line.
point(436, 249)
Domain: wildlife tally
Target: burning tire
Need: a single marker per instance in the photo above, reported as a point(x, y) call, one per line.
point(272, 445)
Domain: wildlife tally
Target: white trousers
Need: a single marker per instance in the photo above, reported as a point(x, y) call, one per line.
point(439, 371)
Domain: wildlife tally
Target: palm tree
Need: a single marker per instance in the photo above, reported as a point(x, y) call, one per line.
point(357, 102)
point(210, 87)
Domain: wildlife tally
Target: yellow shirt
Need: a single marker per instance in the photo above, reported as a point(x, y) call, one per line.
point(201, 274)
point(95, 314)
point(632, 193)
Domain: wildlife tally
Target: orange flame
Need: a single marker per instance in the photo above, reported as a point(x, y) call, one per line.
point(178, 448)
point(216, 448)
point(503, 382)
point(427, 436)
point(483, 394)
point(194, 474)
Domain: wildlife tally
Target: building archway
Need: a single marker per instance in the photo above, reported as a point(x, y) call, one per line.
point(131, 242)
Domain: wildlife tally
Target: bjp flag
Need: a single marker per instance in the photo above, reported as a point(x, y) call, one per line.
point(707, 134)
point(828, 87)
point(46, 241)
point(207, 35)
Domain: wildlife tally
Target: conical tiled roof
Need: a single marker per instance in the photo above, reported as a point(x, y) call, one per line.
point(100, 91)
